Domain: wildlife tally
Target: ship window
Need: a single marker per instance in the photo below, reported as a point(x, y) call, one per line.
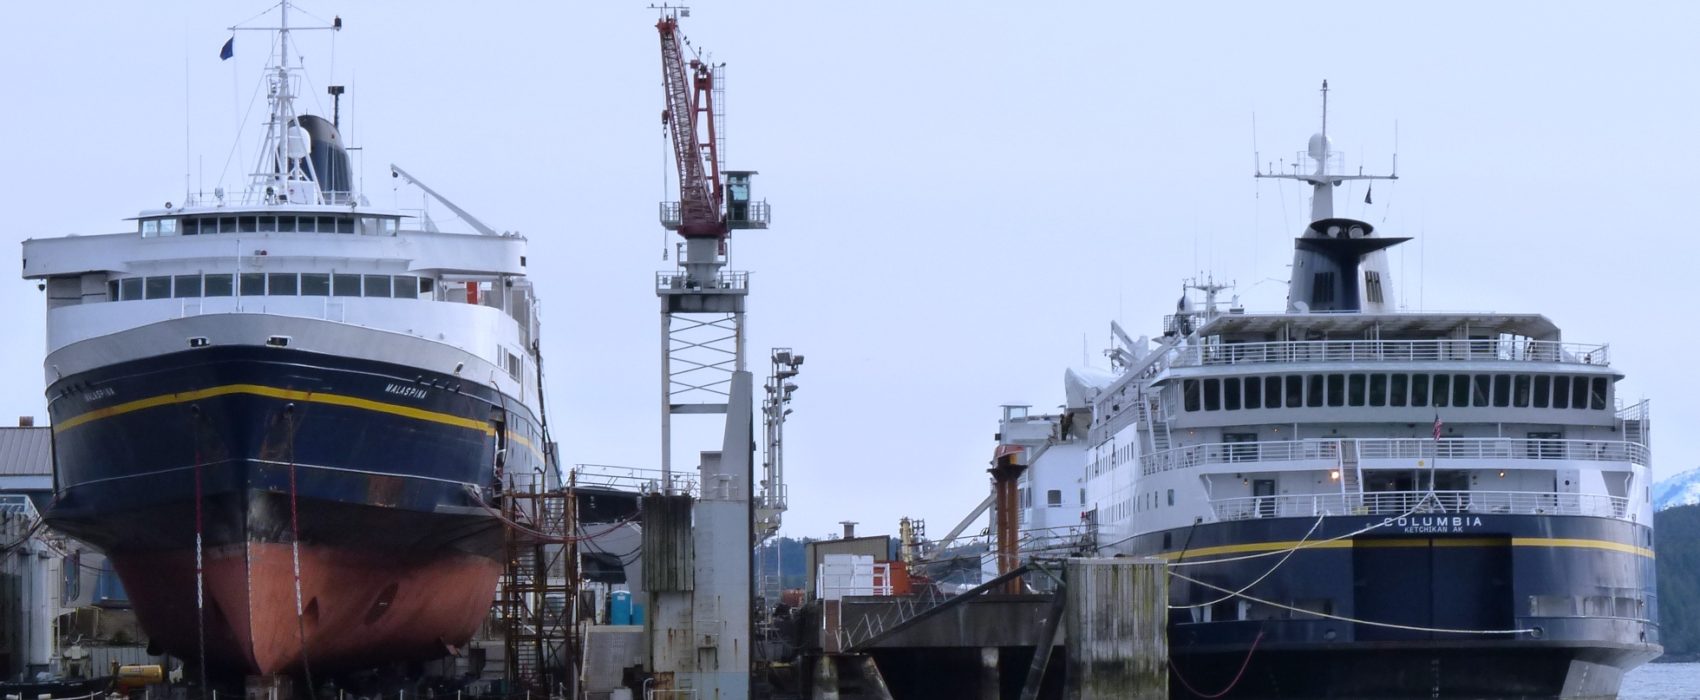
point(1231, 393)
point(1561, 392)
point(1254, 392)
point(426, 285)
point(191, 227)
point(1189, 392)
point(1461, 390)
point(158, 287)
point(406, 287)
point(1597, 397)
point(327, 224)
point(112, 290)
point(1520, 391)
point(1053, 497)
point(188, 286)
point(1578, 392)
point(1552, 606)
point(1372, 286)
point(218, 285)
point(377, 285)
point(167, 227)
point(130, 288)
point(1543, 391)
point(286, 224)
point(226, 225)
point(1483, 389)
point(251, 284)
point(315, 284)
point(1419, 390)
point(1378, 390)
point(281, 284)
point(304, 224)
point(150, 228)
point(1295, 391)
point(268, 223)
point(1271, 392)
point(246, 224)
point(1313, 393)
point(345, 285)
point(1502, 390)
point(1212, 394)
point(1354, 390)
point(1396, 394)
point(344, 225)
point(1171, 497)
point(1336, 390)
point(1442, 389)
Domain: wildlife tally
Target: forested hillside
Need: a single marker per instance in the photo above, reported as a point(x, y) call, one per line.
point(1676, 539)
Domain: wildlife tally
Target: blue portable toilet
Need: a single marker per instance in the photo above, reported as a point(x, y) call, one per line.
point(620, 608)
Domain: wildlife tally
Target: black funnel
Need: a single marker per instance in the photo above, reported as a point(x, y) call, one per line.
point(330, 161)
point(1326, 259)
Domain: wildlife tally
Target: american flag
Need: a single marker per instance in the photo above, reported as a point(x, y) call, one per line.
point(1437, 425)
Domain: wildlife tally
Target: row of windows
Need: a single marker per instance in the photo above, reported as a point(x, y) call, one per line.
point(309, 284)
point(191, 226)
point(1439, 390)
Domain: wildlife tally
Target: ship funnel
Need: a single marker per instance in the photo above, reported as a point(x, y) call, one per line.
point(330, 160)
point(1338, 266)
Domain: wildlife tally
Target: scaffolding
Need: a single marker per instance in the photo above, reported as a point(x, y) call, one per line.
point(538, 603)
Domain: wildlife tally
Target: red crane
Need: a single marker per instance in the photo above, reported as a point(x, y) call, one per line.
point(708, 206)
point(690, 95)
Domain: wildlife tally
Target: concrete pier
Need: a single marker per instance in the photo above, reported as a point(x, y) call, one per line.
point(1117, 629)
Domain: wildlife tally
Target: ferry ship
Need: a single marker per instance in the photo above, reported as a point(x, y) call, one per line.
point(286, 414)
point(1358, 501)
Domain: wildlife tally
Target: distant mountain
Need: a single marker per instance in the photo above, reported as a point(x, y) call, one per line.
point(1679, 490)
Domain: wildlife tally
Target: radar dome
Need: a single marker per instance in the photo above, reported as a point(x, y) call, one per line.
point(1320, 146)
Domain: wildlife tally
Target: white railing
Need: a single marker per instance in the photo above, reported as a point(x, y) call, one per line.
point(681, 282)
point(1504, 448)
point(1423, 502)
point(636, 479)
point(1392, 351)
point(1240, 452)
point(1328, 451)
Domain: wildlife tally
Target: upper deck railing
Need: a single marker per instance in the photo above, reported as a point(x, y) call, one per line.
point(1392, 351)
point(1370, 449)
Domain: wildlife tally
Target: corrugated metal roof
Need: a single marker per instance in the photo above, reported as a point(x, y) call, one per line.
point(26, 451)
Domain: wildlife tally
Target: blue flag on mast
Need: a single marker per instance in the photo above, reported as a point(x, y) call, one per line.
point(229, 49)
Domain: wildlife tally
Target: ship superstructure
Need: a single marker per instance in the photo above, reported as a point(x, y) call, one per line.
point(1358, 501)
point(286, 414)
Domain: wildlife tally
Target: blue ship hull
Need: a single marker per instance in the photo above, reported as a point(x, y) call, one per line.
point(1467, 606)
point(384, 474)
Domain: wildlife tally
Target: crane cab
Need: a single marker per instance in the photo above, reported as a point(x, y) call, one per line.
point(741, 210)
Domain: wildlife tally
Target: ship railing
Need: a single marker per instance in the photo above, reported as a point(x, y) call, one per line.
point(1393, 351)
point(634, 479)
point(1504, 449)
point(1324, 453)
point(1389, 503)
point(1187, 456)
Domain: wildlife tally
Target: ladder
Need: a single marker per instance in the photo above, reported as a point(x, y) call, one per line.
point(1351, 476)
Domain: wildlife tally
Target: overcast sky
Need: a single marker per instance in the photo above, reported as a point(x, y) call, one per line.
point(964, 194)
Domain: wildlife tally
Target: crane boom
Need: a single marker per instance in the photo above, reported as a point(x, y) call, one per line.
point(699, 184)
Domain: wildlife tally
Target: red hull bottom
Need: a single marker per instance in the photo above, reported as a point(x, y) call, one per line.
point(360, 607)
